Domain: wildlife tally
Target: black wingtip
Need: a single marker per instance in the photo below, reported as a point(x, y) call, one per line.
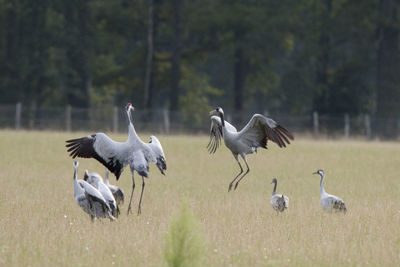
point(285, 132)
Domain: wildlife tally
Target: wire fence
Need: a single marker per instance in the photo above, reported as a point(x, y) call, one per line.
point(114, 119)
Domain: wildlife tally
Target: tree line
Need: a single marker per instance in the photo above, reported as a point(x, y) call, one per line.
point(291, 57)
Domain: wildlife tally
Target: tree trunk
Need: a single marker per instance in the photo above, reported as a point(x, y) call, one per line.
point(322, 101)
point(36, 79)
point(13, 81)
point(79, 48)
point(388, 65)
point(239, 78)
point(148, 82)
point(176, 55)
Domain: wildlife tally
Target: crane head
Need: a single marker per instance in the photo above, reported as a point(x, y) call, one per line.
point(217, 111)
point(129, 107)
point(274, 181)
point(320, 172)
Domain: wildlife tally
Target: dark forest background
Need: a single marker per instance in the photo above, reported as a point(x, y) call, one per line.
point(287, 57)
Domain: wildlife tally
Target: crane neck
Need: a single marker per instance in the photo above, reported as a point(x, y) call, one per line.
point(77, 187)
point(132, 135)
point(75, 174)
point(321, 185)
point(274, 191)
point(221, 115)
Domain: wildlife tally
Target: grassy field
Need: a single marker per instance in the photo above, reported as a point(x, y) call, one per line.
point(41, 225)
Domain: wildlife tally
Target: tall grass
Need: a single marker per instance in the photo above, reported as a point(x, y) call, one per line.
point(184, 244)
point(41, 225)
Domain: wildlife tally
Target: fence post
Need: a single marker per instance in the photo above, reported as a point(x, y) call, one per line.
point(166, 121)
point(68, 118)
point(115, 120)
point(18, 116)
point(316, 123)
point(367, 124)
point(346, 125)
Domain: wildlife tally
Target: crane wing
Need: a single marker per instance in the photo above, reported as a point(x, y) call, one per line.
point(279, 202)
point(216, 133)
point(100, 147)
point(116, 191)
point(156, 147)
point(97, 182)
point(336, 203)
point(92, 191)
point(260, 129)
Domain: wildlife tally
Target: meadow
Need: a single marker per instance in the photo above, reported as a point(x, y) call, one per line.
point(41, 225)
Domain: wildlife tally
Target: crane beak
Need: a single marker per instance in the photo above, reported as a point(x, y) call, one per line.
point(315, 173)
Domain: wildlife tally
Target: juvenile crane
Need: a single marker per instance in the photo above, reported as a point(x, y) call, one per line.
point(279, 202)
point(255, 134)
point(329, 202)
point(116, 155)
point(89, 198)
point(95, 180)
point(117, 192)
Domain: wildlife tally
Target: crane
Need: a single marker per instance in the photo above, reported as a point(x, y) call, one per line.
point(89, 198)
point(329, 202)
point(255, 134)
point(279, 202)
point(116, 155)
point(97, 181)
point(117, 192)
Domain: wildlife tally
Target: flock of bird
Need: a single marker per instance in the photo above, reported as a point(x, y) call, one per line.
point(101, 199)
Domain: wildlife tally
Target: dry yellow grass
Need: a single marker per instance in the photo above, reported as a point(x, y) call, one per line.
point(41, 225)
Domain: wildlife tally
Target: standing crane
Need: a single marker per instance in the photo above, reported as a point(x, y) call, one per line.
point(95, 180)
point(116, 155)
point(279, 202)
point(329, 202)
point(255, 134)
point(89, 198)
point(117, 192)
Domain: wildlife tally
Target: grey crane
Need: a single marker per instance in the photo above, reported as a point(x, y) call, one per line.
point(117, 192)
point(116, 155)
point(89, 198)
point(255, 134)
point(329, 202)
point(279, 202)
point(96, 180)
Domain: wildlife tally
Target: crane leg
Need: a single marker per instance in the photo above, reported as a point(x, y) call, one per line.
point(133, 188)
point(248, 170)
point(241, 171)
point(141, 195)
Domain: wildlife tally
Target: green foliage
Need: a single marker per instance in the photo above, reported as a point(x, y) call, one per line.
point(195, 102)
point(184, 244)
point(297, 56)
